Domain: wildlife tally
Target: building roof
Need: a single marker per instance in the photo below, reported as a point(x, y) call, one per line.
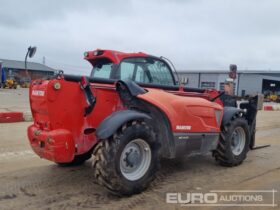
point(13, 64)
point(227, 71)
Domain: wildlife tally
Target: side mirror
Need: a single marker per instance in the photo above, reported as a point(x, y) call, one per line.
point(32, 51)
point(184, 80)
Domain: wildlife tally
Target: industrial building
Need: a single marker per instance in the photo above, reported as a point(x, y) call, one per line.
point(246, 82)
point(16, 69)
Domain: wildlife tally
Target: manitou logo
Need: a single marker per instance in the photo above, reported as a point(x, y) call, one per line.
point(183, 127)
point(38, 92)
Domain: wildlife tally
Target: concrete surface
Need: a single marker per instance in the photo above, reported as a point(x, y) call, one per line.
point(28, 182)
point(15, 100)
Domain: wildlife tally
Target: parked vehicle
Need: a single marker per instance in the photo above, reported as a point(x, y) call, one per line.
point(7, 82)
point(130, 113)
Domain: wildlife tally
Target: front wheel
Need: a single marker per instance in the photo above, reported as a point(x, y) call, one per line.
point(233, 143)
point(126, 163)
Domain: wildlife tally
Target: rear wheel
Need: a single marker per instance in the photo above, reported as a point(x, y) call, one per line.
point(126, 163)
point(233, 143)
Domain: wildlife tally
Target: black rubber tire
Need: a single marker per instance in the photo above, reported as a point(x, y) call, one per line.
point(78, 160)
point(223, 154)
point(106, 159)
point(253, 134)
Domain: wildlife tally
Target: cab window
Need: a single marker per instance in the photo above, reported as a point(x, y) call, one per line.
point(145, 70)
point(102, 69)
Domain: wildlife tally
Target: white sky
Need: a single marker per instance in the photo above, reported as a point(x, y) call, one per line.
point(194, 34)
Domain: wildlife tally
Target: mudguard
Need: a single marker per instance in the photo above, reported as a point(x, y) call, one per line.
point(110, 124)
point(229, 112)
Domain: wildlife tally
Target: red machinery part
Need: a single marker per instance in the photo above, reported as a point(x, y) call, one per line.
point(57, 145)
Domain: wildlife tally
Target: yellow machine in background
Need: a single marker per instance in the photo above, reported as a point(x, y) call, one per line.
point(10, 83)
point(272, 97)
point(7, 81)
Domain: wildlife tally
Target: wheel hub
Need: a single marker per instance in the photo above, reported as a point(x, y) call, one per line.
point(238, 140)
point(234, 139)
point(135, 159)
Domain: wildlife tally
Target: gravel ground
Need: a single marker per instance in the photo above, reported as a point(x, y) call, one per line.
point(28, 182)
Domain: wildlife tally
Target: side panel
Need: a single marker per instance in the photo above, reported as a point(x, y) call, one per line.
point(198, 143)
point(186, 114)
point(195, 122)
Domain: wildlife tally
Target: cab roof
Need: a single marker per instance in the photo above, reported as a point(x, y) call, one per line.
point(114, 56)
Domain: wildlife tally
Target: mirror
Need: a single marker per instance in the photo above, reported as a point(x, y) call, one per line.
point(32, 51)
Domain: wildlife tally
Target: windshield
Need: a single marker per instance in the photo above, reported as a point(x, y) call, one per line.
point(145, 70)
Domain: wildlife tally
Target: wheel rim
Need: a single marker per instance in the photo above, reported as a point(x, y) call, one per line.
point(135, 159)
point(238, 140)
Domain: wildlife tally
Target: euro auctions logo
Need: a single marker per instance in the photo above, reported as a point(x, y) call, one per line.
point(265, 198)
